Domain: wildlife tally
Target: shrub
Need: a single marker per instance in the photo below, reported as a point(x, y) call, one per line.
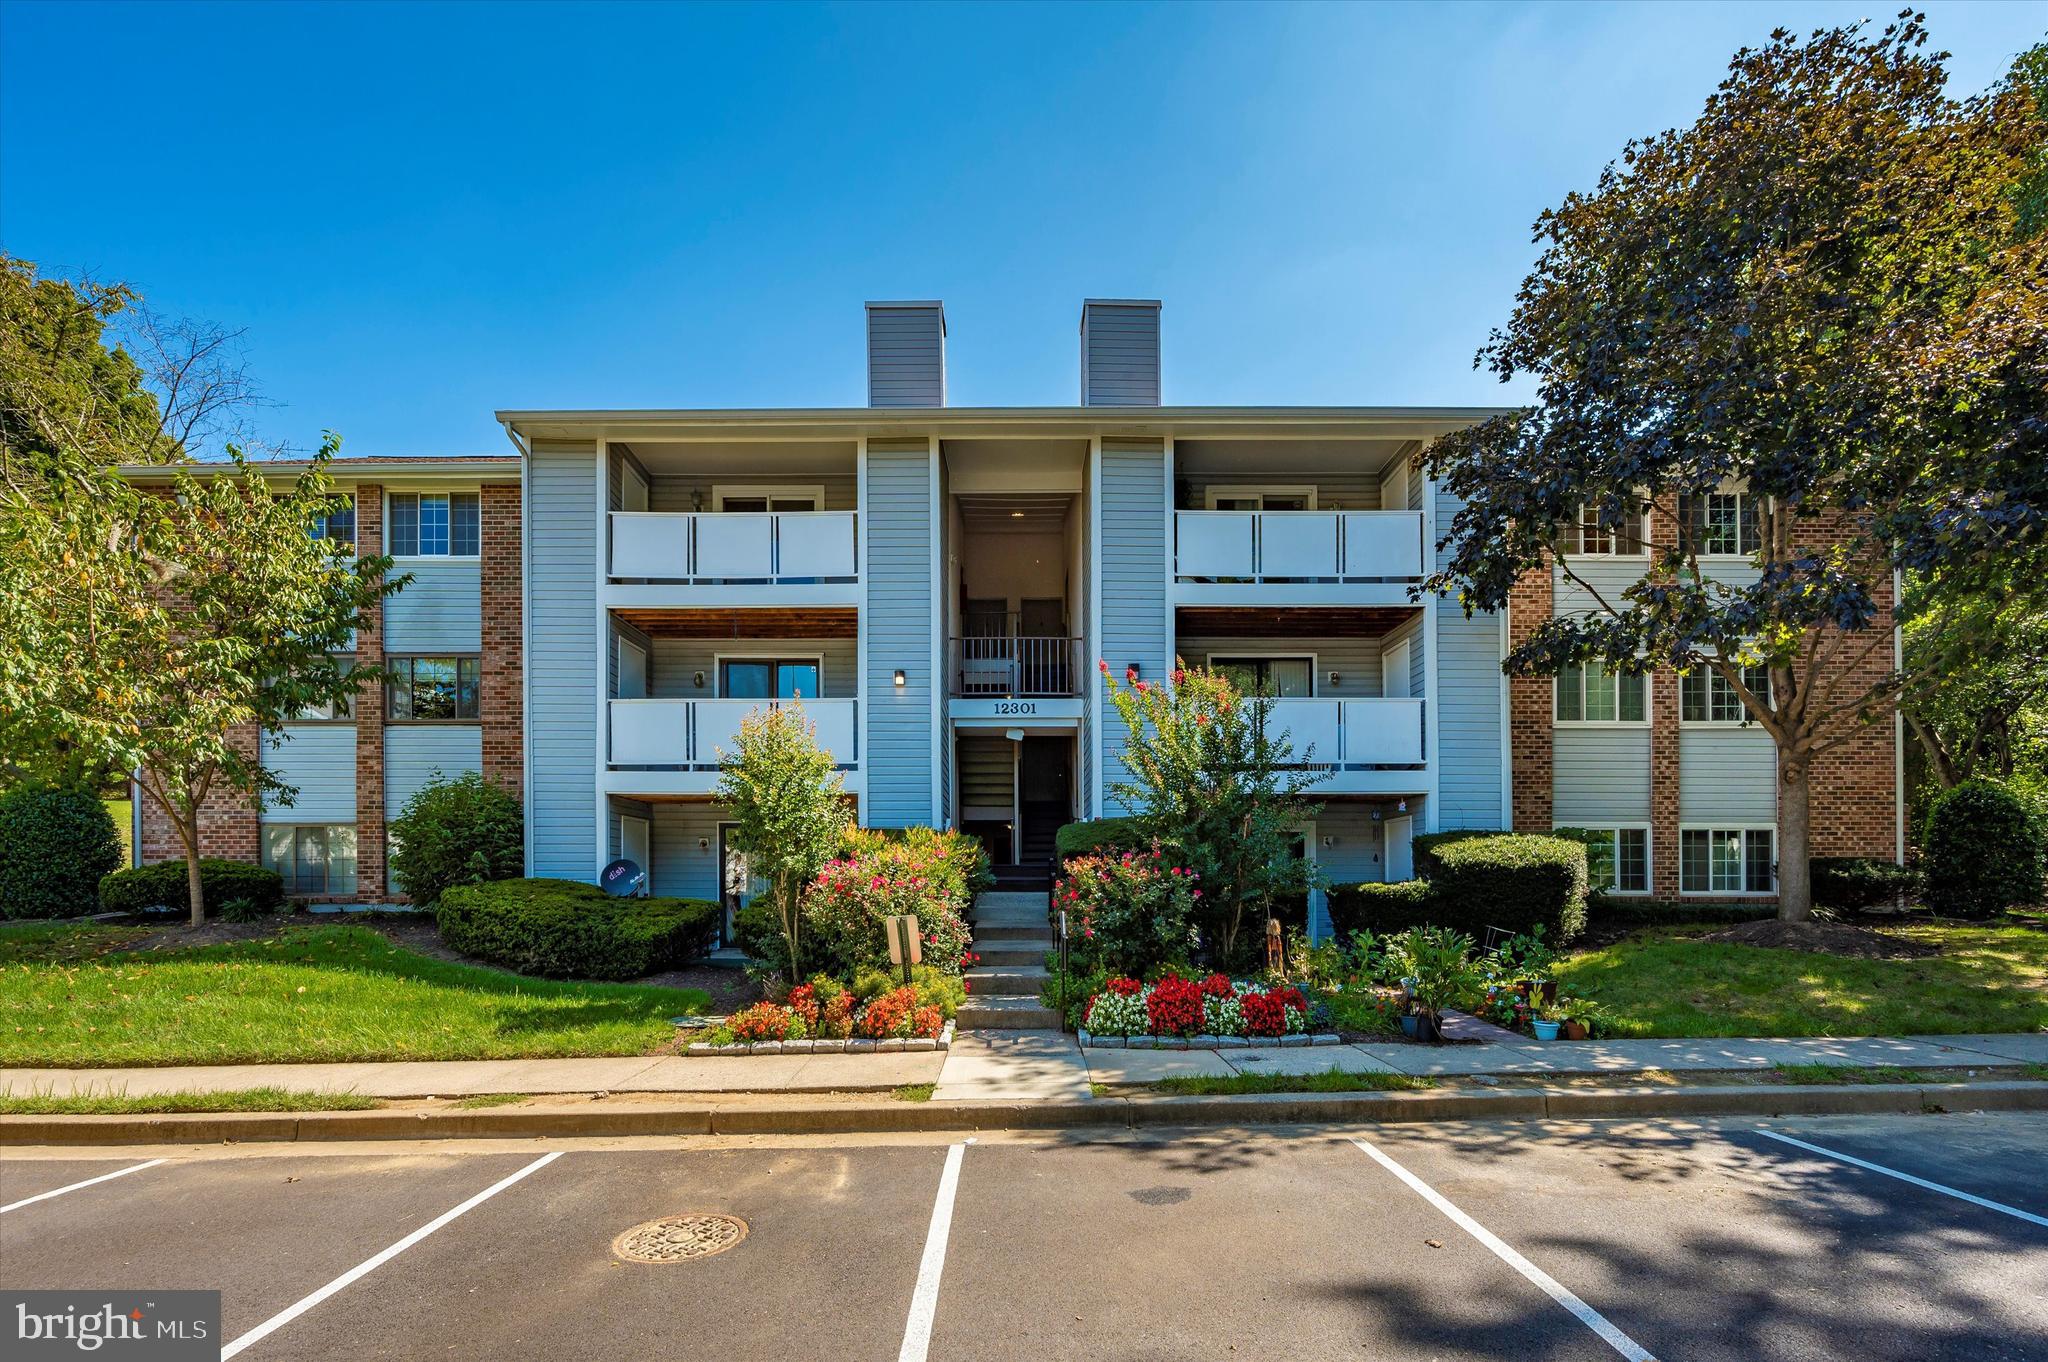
point(1097, 837)
point(1859, 881)
point(956, 862)
point(761, 1022)
point(163, 886)
point(757, 931)
point(1377, 908)
point(1984, 850)
point(1425, 844)
point(245, 910)
point(1510, 880)
point(56, 841)
point(846, 909)
point(1131, 912)
point(461, 831)
point(564, 929)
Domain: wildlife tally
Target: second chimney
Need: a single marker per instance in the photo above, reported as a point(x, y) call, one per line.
point(907, 354)
point(1120, 352)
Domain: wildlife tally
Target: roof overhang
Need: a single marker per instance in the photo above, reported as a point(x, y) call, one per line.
point(469, 468)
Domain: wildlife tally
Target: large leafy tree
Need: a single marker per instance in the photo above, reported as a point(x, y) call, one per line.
point(1214, 779)
point(170, 634)
point(1820, 292)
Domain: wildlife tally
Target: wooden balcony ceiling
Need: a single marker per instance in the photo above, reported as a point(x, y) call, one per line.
point(1232, 621)
point(815, 622)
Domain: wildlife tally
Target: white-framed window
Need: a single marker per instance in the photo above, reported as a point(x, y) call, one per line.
point(1590, 694)
point(1727, 861)
point(434, 525)
point(770, 678)
point(768, 497)
point(1720, 524)
point(313, 858)
point(338, 526)
point(1705, 697)
point(434, 689)
point(1588, 538)
point(1290, 498)
point(1618, 859)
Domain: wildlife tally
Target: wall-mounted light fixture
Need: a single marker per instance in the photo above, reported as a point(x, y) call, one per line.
point(703, 844)
point(1402, 807)
point(1334, 678)
point(697, 680)
point(1328, 840)
point(900, 679)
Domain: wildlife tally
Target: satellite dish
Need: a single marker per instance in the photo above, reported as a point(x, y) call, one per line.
point(622, 879)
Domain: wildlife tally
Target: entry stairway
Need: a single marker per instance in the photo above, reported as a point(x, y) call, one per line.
point(1012, 936)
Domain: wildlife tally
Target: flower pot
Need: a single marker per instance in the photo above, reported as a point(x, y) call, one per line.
point(1546, 1030)
point(1410, 1024)
point(1429, 1028)
point(1575, 1030)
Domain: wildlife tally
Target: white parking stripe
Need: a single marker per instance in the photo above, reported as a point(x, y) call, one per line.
point(363, 1269)
point(104, 1177)
point(924, 1301)
point(1586, 1314)
point(1958, 1194)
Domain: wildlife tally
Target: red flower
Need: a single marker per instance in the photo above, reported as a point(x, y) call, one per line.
point(1217, 986)
point(1123, 987)
point(1179, 676)
point(1174, 1007)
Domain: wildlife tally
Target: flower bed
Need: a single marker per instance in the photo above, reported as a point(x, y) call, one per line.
point(1215, 1011)
point(825, 1016)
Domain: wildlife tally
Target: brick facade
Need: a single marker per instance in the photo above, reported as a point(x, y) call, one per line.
point(228, 824)
point(1664, 783)
point(1529, 708)
point(503, 697)
point(369, 713)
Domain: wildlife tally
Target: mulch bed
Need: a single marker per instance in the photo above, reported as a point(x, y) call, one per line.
point(1823, 938)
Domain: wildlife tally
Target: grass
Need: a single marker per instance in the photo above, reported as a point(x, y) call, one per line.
point(2038, 1071)
point(1224, 1085)
point(913, 1092)
point(1666, 982)
point(72, 997)
point(242, 1099)
point(1848, 1073)
point(123, 814)
point(490, 1099)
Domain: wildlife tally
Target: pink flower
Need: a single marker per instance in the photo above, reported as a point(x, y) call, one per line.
point(1105, 667)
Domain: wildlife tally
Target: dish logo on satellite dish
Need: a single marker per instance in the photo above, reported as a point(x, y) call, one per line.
point(622, 878)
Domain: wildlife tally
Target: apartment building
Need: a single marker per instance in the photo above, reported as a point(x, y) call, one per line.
point(937, 585)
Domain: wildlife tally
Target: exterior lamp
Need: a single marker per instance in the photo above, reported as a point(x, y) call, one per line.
point(899, 678)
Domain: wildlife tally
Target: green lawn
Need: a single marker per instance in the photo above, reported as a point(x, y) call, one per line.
point(72, 997)
point(241, 1099)
point(1664, 982)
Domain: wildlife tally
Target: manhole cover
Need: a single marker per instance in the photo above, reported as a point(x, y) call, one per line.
point(678, 1238)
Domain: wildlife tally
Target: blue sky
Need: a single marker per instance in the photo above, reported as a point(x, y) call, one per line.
point(422, 214)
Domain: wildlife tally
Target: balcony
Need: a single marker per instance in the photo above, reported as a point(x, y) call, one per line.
point(1355, 741)
point(1309, 557)
point(1012, 666)
point(673, 746)
point(734, 557)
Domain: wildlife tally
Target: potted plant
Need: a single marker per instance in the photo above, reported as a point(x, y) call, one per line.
point(1439, 960)
point(1581, 1016)
point(1550, 1019)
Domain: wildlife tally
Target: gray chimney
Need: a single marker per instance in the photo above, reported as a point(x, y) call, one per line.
point(907, 354)
point(1120, 352)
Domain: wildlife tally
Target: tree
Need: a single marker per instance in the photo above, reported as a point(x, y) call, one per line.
point(1981, 705)
point(1819, 295)
point(465, 830)
point(172, 634)
point(788, 809)
point(1213, 781)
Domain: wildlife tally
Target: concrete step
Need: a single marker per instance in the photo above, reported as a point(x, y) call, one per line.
point(1017, 981)
point(1006, 1014)
point(1009, 954)
point(1002, 900)
point(1032, 916)
point(1038, 935)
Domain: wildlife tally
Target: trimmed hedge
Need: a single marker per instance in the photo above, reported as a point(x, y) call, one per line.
point(1476, 880)
point(1859, 881)
point(163, 886)
point(1618, 911)
point(1984, 850)
point(1096, 836)
point(56, 841)
point(563, 929)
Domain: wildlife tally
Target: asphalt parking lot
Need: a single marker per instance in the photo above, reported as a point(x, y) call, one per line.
point(1717, 1240)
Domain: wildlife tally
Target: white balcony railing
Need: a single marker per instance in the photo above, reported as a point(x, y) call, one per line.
point(733, 546)
point(1260, 546)
point(692, 733)
point(1369, 732)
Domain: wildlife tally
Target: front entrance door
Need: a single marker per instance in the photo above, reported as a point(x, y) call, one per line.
point(735, 883)
point(634, 845)
point(1045, 784)
point(1400, 849)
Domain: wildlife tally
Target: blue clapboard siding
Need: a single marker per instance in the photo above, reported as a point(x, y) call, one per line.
point(416, 754)
point(1599, 776)
point(1470, 775)
point(901, 751)
point(564, 663)
point(1133, 555)
point(1727, 776)
point(320, 761)
point(682, 869)
point(439, 611)
point(1120, 354)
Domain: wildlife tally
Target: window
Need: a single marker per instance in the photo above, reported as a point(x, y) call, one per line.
point(312, 858)
point(1618, 859)
point(323, 713)
point(1705, 697)
point(768, 678)
point(435, 525)
point(1719, 523)
point(1280, 677)
point(1260, 498)
point(338, 526)
point(1726, 861)
point(433, 688)
point(1588, 536)
point(1593, 695)
point(739, 500)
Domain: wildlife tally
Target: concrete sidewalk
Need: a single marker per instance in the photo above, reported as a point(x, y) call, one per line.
point(1054, 1072)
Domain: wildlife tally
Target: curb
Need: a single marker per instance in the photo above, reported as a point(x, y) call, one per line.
point(1128, 1113)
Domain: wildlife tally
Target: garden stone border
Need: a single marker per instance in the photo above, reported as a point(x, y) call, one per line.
point(853, 1046)
point(1091, 1041)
